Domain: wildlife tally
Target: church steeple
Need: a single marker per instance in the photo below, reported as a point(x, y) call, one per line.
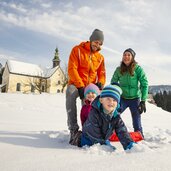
point(56, 60)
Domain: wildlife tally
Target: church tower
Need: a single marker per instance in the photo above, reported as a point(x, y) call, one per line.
point(56, 60)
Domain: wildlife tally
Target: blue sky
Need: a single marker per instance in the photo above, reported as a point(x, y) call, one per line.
point(31, 30)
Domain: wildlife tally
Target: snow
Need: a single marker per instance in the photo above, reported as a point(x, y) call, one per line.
point(34, 136)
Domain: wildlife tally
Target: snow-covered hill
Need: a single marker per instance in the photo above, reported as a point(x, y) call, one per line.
point(34, 137)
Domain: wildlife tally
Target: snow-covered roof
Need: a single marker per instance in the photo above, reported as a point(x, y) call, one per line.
point(23, 68)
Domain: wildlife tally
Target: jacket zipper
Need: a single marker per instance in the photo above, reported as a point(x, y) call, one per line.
point(90, 63)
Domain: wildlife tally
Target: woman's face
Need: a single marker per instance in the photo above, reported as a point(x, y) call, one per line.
point(127, 58)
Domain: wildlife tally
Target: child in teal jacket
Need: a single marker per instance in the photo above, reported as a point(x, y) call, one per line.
point(103, 120)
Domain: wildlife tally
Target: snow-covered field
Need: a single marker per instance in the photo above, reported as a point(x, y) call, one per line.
point(34, 137)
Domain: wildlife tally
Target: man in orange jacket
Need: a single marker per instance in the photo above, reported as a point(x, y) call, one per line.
point(85, 66)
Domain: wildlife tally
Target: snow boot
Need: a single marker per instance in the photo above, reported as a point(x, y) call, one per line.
point(75, 138)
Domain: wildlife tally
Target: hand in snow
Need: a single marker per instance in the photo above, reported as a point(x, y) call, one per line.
point(134, 148)
point(107, 142)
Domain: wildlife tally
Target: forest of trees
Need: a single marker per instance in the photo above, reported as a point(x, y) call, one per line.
point(163, 100)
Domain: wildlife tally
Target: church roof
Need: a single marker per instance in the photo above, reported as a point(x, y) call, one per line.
point(29, 69)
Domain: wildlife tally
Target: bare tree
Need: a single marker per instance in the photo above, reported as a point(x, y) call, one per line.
point(65, 78)
point(35, 83)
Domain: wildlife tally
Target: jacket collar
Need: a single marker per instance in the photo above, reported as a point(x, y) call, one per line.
point(86, 46)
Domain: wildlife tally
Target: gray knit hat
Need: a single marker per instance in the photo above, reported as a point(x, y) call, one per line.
point(131, 51)
point(97, 35)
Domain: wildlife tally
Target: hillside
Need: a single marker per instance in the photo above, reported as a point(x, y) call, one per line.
point(34, 136)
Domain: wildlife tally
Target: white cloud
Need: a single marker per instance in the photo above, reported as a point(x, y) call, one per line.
point(19, 8)
point(46, 5)
point(142, 25)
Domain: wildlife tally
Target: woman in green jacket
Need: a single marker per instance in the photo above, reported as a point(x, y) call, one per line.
point(134, 84)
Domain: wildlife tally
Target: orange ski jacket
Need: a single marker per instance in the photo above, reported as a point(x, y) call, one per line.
point(85, 67)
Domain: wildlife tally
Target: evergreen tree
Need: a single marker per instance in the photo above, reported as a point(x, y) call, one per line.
point(169, 102)
point(163, 100)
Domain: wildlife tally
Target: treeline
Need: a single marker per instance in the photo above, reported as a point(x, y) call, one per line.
point(163, 100)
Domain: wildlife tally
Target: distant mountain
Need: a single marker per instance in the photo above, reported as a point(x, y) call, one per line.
point(159, 88)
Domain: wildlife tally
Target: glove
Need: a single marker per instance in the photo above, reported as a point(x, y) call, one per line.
point(81, 92)
point(107, 142)
point(115, 83)
point(130, 145)
point(142, 107)
point(99, 85)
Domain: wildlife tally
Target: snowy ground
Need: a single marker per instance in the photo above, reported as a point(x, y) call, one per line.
point(34, 137)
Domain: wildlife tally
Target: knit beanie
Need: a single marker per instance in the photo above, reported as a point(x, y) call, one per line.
point(113, 91)
point(131, 51)
point(91, 88)
point(97, 35)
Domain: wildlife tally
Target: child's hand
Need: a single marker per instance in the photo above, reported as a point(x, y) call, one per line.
point(107, 142)
point(130, 145)
point(134, 148)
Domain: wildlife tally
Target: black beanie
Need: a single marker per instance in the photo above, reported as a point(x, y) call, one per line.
point(97, 35)
point(131, 51)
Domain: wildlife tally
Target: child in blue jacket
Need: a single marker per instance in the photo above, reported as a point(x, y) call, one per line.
point(103, 120)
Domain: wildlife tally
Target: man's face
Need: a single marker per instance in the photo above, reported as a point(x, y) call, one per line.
point(95, 45)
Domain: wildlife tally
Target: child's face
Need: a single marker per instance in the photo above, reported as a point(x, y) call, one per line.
point(109, 104)
point(90, 96)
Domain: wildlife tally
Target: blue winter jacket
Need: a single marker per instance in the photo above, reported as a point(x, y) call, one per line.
point(100, 126)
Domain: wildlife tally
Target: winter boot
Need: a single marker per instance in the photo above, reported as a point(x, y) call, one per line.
point(72, 135)
point(76, 138)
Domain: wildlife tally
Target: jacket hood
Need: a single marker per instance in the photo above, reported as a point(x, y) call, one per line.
point(86, 46)
point(96, 103)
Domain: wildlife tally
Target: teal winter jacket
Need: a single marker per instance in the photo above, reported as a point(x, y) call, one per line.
point(135, 86)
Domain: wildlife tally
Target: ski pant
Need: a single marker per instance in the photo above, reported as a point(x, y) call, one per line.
point(133, 104)
point(71, 107)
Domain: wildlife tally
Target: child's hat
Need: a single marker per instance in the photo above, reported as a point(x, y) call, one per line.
point(113, 91)
point(91, 88)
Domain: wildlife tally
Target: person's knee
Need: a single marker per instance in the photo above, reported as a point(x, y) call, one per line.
point(71, 91)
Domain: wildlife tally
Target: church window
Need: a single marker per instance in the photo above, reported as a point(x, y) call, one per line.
point(18, 87)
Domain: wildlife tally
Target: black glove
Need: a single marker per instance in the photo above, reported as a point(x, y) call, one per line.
point(115, 83)
point(142, 107)
point(81, 92)
point(99, 85)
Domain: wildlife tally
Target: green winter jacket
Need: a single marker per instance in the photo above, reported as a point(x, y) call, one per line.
point(135, 86)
